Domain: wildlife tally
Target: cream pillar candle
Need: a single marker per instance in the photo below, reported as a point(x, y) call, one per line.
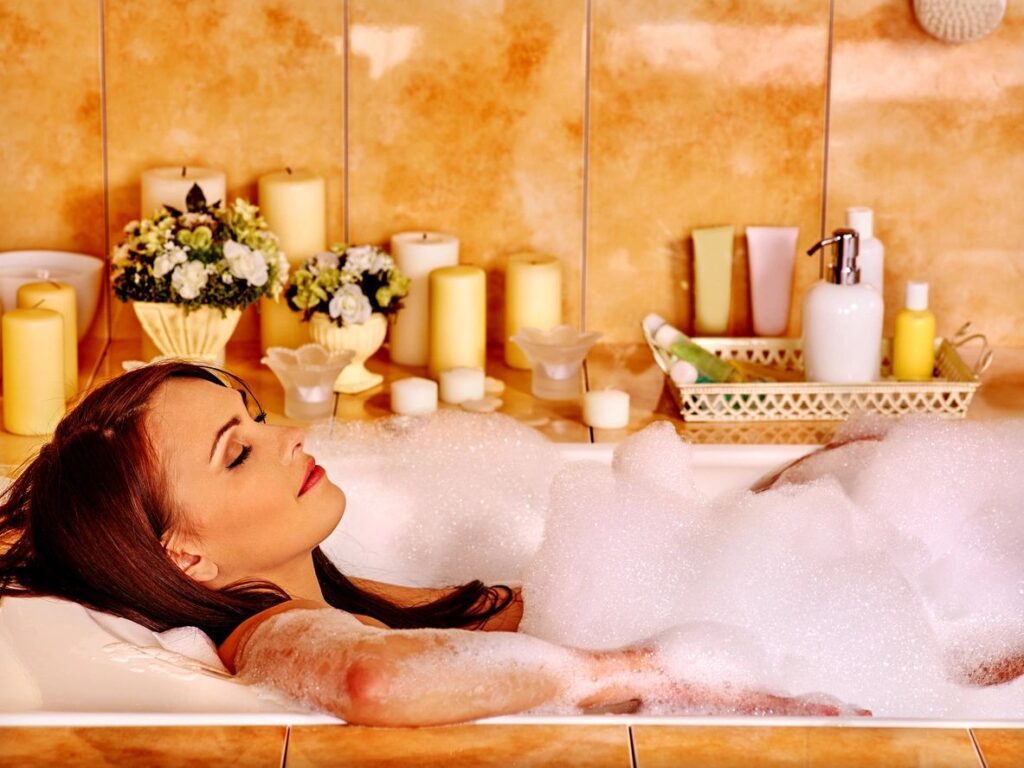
point(59, 297)
point(533, 299)
point(458, 319)
point(414, 396)
point(170, 186)
point(416, 254)
point(33, 370)
point(606, 409)
point(460, 385)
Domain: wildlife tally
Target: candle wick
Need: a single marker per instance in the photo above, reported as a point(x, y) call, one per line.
point(424, 235)
point(38, 304)
point(54, 283)
point(288, 168)
point(183, 171)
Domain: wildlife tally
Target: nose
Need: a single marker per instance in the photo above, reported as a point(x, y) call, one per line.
point(292, 439)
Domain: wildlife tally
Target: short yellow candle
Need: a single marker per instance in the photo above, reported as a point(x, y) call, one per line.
point(458, 319)
point(170, 187)
point(294, 204)
point(416, 255)
point(533, 299)
point(59, 297)
point(33, 368)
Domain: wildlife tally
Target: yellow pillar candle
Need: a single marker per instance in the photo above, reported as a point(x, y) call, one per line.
point(416, 254)
point(59, 297)
point(533, 299)
point(294, 204)
point(33, 370)
point(712, 271)
point(458, 318)
point(170, 186)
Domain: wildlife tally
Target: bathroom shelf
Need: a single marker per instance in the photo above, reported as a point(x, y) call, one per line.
point(949, 394)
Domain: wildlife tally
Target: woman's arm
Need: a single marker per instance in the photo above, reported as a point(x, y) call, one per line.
point(370, 676)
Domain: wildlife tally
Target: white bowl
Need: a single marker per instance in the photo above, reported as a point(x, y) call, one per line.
point(82, 272)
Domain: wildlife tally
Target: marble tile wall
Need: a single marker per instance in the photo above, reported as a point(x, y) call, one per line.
point(600, 132)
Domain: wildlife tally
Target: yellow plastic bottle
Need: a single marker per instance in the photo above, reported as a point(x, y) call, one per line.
point(913, 346)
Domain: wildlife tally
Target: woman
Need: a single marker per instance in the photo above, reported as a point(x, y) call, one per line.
point(164, 500)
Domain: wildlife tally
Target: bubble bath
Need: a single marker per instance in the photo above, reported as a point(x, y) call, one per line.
point(887, 573)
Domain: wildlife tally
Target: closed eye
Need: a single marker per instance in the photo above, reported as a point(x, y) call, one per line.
point(242, 456)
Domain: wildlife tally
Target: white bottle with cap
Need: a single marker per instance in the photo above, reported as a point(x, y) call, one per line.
point(871, 256)
point(842, 335)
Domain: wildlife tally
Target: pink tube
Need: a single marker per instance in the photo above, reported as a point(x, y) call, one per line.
point(771, 252)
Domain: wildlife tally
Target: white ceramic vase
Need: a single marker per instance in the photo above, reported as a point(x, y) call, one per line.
point(199, 335)
point(362, 340)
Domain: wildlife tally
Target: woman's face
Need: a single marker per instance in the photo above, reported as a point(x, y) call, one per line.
point(253, 502)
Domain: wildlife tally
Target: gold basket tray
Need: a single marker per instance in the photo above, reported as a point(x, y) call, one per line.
point(948, 395)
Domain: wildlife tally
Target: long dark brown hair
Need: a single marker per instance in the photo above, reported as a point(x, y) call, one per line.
point(84, 520)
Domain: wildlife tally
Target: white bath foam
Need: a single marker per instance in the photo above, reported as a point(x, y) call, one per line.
point(439, 499)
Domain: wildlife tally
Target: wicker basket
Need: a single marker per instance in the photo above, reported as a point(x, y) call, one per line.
point(948, 395)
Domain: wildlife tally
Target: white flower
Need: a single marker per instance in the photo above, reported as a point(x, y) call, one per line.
point(380, 263)
point(324, 260)
point(168, 260)
point(351, 305)
point(359, 259)
point(227, 278)
point(189, 279)
point(245, 263)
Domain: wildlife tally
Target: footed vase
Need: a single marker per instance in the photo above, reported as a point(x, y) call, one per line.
point(201, 334)
point(362, 340)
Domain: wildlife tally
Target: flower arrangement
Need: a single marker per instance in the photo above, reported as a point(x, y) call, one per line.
point(208, 255)
point(348, 284)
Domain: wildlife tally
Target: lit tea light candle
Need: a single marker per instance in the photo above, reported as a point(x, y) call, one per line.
point(606, 409)
point(170, 186)
point(416, 255)
point(533, 299)
point(461, 385)
point(414, 396)
point(60, 298)
point(458, 318)
point(33, 370)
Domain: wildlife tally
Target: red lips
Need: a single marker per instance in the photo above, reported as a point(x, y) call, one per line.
point(314, 474)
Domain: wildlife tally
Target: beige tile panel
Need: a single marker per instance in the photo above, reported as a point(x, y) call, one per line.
point(51, 153)
point(738, 747)
point(165, 747)
point(468, 118)
point(931, 135)
point(1001, 748)
point(250, 91)
point(702, 114)
point(524, 746)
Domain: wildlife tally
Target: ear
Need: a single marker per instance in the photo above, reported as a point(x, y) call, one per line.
point(193, 565)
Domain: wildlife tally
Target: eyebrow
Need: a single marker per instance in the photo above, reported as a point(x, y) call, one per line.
point(234, 421)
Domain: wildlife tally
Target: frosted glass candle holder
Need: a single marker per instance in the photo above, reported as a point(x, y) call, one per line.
point(555, 357)
point(307, 375)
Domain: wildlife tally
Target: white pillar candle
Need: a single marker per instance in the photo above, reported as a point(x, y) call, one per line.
point(170, 186)
point(458, 318)
point(606, 409)
point(59, 297)
point(460, 385)
point(416, 254)
point(413, 396)
point(533, 299)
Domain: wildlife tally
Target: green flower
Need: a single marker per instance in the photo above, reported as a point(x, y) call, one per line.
point(384, 296)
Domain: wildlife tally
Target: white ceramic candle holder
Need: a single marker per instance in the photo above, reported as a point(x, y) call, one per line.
point(556, 357)
point(307, 375)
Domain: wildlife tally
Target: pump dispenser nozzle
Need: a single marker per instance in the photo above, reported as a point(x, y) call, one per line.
point(843, 269)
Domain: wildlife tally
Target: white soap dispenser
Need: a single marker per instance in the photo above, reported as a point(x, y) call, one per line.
point(842, 317)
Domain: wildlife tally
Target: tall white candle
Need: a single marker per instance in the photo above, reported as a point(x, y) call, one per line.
point(416, 254)
point(533, 299)
point(413, 396)
point(606, 409)
point(170, 186)
point(460, 385)
point(458, 318)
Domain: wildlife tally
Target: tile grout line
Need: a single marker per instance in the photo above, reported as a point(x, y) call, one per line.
point(587, 32)
point(344, 127)
point(828, 116)
point(977, 748)
point(284, 746)
point(108, 320)
point(632, 747)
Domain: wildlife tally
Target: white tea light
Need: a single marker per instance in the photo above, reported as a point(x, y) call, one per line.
point(460, 385)
point(606, 409)
point(414, 396)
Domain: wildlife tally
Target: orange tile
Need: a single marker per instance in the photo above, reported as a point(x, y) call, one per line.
point(155, 747)
point(528, 746)
point(1001, 748)
point(702, 114)
point(931, 135)
point(247, 91)
point(468, 117)
point(764, 747)
point(51, 156)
